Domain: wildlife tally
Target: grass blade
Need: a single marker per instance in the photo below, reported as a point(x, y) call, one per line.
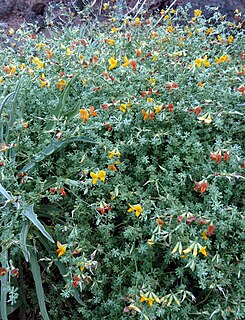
point(35, 269)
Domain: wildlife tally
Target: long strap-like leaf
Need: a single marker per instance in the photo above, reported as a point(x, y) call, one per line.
point(35, 269)
point(51, 148)
point(28, 212)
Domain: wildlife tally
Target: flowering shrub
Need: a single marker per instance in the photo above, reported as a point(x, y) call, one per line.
point(122, 170)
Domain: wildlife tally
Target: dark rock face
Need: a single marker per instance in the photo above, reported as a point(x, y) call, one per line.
point(6, 7)
point(15, 12)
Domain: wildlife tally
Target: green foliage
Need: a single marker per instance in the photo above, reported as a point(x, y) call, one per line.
point(124, 144)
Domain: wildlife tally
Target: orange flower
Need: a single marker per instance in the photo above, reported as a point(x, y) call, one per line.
point(49, 53)
point(95, 58)
point(76, 280)
point(241, 89)
point(61, 249)
point(62, 192)
point(216, 156)
point(92, 112)
point(84, 114)
point(112, 167)
point(133, 64)
point(202, 185)
point(197, 110)
point(3, 271)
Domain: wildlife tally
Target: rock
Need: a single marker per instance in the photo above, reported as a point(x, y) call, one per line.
point(6, 7)
point(38, 8)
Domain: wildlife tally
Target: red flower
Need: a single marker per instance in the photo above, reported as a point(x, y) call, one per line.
point(76, 280)
point(202, 221)
point(201, 185)
point(197, 110)
point(62, 192)
point(3, 271)
point(133, 64)
point(102, 210)
point(180, 218)
point(243, 165)
point(170, 107)
point(189, 220)
point(15, 272)
point(52, 190)
point(210, 230)
point(226, 156)
point(241, 89)
point(216, 156)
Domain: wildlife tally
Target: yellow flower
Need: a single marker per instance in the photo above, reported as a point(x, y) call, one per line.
point(126, 61)
point(157, 109)
point(1, 80)
point(170, 29)
point(39, 63)
point(153, 81)
point(144, 297)
point(44, 82)
point(68, 52)
point(99, 175)
point(105, 6)
point(84, 115)
point(137, 20)
point(203, 251)
point(40, 45)
point(209, 31)
point(124, 107)
point(219, 38)
point(230, 39)
point(198, 62)
point(166, 17)
point(137, 208)
point(150, 301)
point(206, 62)
point(114, 29)
point(150, 242)
point(60, 84)
point(189, 249)
point(204, 235)
point(200, 84)
point(111, 42)
point(197, 13)
point(61, 249)
point(11, 31)
point(206, 118)
point(114, 152)
point(113, 63)
point(13, 68)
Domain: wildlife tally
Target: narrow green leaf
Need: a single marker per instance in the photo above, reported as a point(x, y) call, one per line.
point(35, 269)
point(54, 146)
point(71, 114)
point(14, 104)
point(5, 100)
point(28, 212)
point(63, 97)
point(23, 236)
point(3, 290)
